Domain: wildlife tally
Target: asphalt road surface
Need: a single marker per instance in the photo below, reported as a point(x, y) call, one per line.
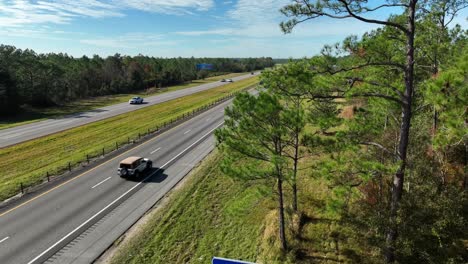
point(77, 220)
point(26, 132)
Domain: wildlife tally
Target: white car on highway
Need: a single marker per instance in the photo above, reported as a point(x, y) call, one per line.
point(134, 166)
point(136, 100)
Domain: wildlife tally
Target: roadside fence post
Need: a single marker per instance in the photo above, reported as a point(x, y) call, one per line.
point(139, 135)
point(128, 140)
point(69, 166)
point(116, 145)
point(103, 151)
point(48, 178)
point(87, 158)
point(22, 188)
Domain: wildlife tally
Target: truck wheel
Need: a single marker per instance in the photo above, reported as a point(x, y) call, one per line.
point(123, 173)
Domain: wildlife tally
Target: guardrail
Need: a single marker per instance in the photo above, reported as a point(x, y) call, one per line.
point(135, 138)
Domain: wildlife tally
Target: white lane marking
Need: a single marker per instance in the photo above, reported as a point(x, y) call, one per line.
point(101, 182)
point(155, 150)
point(121, 196)
point(70, 121)
point(187, 131)
point(12, 136)
point(3, 240)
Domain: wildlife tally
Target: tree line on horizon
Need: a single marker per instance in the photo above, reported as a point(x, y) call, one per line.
point(41, 80)
point(380, 119)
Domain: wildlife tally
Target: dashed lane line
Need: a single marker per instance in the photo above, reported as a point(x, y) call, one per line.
point(155, 150)
point(101, 182)
point(121, 196)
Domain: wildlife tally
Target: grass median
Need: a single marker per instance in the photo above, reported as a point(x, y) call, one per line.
point(31, 115)
point(28, 163)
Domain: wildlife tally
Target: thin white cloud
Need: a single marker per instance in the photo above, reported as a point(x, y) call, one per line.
point(252, 18)
point(255, 24)
point(166, 6)
point(271, 29)
point(244, 47)
point(224, 31)
point(16, 13)
point(85, 8)
point(261, 18)
point(130, 40)
point(257, 11)
point(36, 33)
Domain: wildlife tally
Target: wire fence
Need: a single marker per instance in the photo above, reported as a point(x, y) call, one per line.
point(135, 138)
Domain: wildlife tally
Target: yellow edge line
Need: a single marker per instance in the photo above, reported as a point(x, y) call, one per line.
point(78, 176)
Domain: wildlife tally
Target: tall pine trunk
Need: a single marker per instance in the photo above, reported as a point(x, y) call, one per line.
point(296, 159)
point(398, 179)
point(281, 215)
point(279, 175)
point(298, 126)
point(465, 168)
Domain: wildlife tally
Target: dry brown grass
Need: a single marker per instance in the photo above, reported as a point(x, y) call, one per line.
point(349, 109)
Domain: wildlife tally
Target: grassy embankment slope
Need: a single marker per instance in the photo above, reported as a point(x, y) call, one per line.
point(28, 162)
point(37, 114)
point(214, 215)
point(211, 215)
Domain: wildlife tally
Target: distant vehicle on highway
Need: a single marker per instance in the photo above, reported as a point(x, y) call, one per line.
point(229, 80)
point(252, 73)
point(136, 100)
point(134, 166)
point(223, 80)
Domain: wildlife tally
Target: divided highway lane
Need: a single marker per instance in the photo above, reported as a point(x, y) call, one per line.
point(22, 133)
point(35, 230)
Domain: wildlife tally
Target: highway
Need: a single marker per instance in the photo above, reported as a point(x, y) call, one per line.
point(78, 219)
point(15, 135)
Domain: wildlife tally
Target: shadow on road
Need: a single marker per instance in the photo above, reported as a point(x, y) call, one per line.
point(157, 177)
point(80, 114)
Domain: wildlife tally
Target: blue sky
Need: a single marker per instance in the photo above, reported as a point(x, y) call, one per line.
point(170, 28)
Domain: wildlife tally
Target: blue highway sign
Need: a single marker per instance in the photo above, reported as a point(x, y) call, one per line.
point(204, 66)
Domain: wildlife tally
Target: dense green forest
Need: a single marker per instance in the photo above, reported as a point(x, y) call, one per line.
point(380, 119)
point(50, 79)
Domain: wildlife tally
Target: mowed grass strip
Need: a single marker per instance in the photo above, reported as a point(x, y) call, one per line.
point(27, 163)
point(210, 215)
point(37, 114)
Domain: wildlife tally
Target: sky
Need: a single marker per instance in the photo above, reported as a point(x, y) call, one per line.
point(169, 28)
